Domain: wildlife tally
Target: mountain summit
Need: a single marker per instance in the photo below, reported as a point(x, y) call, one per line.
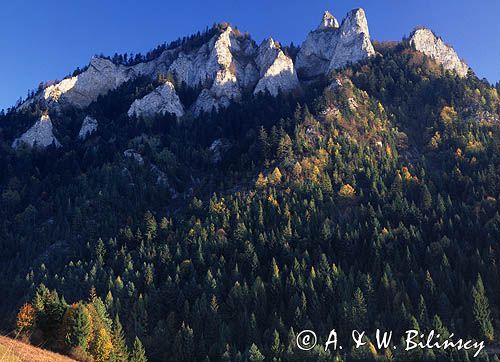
point(330, 46)
point(223, 65)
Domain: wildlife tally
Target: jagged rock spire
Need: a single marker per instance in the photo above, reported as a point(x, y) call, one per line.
point(329, 21)
point(354, 42)
point(330, 46)
point(276, 69)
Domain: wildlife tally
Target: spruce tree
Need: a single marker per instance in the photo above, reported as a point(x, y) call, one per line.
point(481, 312)
point(254, 355)
point(120, 348)
point(138, 353)
point(77, 326)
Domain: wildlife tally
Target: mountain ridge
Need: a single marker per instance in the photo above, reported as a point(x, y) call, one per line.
point(224, 63)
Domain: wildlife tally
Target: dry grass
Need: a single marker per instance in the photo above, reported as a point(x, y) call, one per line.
point(6, 355)
point(16, 351)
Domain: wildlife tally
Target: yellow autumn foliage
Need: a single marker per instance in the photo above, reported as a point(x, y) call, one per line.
point(347, 191)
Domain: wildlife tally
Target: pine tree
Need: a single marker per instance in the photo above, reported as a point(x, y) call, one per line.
point(481, 312)
point(77, 326)
point(285, 151)
point(254, 355)
point(426, 197)
point(151, 225)
point(359, 310)
point(263, 145)
point(120, 349)
point(102, 347)
point(138, 353)
point(275, 176)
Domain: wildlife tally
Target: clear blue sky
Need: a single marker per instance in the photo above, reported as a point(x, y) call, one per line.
point(46, 40)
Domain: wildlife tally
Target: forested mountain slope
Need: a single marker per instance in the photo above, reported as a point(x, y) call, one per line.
point(364, 197)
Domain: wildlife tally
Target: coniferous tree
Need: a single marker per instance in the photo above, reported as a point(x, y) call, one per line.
point(138, 353)
point(77, 326)
point(120, 349)
point(481, 312)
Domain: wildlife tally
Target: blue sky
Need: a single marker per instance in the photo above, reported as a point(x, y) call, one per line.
point(46, 40)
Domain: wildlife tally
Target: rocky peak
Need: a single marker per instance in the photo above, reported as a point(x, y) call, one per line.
point(425, 41)
point(330, 47)
point(328, 22)
point(40, 135)
point(276, 69)
point(355, 23)
point(222, 66)
point(161, 100)
point(267, 53)
point(89, 126)
point(354, 42)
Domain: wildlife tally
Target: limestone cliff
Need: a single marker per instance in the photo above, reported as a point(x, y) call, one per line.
point(277, 72)
point(223, 65)
point(227, 64)
point(162, 100)
point(40, 135)
point(330, 46)
point(89, 126)
point(426, 42)
point(101, 76)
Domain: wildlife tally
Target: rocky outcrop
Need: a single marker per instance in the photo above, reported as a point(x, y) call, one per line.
point(100, 77)
point(89, 126)
point(328, 22)
point(277, 72)
point(354, 40)
point(79, 91)
point(134, 155)
point(425, 41)
point(40, 135)
point(223, 65)
point(330, 46)
point(218, 149)
point(160, 101)
point(223, 68)
point(207, 102)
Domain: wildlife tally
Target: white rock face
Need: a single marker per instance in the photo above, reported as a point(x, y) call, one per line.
point(328, 21)
point(354, 41)
point(223, 66)
point(277, 71)
point(330, 47)
point(101, 77)
point(89, 126)
point(40, 135)
point(162, 100)
point(426, 42)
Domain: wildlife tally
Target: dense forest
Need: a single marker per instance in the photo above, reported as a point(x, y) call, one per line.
point(368, 201)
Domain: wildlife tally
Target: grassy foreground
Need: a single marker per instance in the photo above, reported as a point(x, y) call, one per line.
point(16, 351)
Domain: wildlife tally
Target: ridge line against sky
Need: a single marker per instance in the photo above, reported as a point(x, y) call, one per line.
point(43, 41)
